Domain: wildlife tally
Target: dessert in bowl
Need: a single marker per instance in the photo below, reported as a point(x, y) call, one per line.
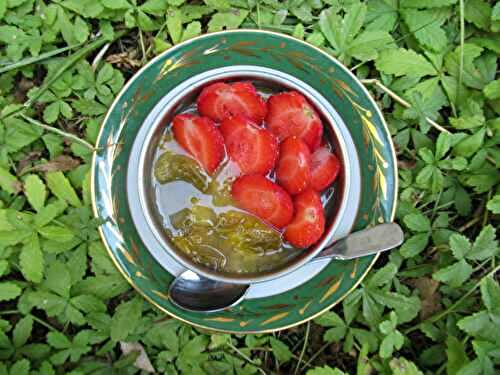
point(243, 177)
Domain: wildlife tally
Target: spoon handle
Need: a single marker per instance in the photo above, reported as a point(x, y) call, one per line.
point(368, 241)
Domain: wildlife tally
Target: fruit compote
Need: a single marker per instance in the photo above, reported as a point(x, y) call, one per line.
point(241, 177)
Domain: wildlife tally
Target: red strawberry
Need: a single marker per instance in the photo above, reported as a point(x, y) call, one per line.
point(263, 198)
point(289, 113)
point(308, 223)
point(200, 137)
point(253, 148)
point(325, 169)
point(294, 165)
point(221, 100)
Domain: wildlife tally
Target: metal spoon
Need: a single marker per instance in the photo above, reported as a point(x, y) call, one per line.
point(197, 293)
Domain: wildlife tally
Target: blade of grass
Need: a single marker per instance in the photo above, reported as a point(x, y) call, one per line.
point(450, 309)
point(70, 61)
point(36, 59)
point(462, 38)
point(57, 131)
point(304, 347)
point(401, 101)
point(246, 358)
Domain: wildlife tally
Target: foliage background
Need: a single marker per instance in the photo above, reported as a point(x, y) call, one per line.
point(433, 306)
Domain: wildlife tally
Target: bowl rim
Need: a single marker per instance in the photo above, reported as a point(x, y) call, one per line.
point(154, 124)
point(210, 34)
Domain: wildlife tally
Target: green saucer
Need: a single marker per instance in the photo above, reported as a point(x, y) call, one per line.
point(242, 47)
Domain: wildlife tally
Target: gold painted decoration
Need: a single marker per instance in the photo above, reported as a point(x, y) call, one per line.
point(332, 289)
point(275, 318)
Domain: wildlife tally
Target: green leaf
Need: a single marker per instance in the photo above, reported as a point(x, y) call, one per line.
point(381, 16)
point(174, 24)
point(402, 366)
point(494, 204)
point(154, 7)
point(280, 350)
point(35, 191)
point(495, 14)
point(49, 213)
point(192, 30)
point(56, 233)
point(125, 319)
point(366, 45)
point(492, 90)
point(469, 145)
point(104, 286)
point(32, 260)
point(426, 3)
point(145, 22)
point(478, 12)
point(3, 8)
point(383, 276)
point(227, 20)
point(455, 352)
point(22, 332)
point(490, 294)
point(394, 341)
point(401, 62)
point(58, 340)
point(51, 303)
point(53, 143)
point(8, 291)
point(443, 145)
point(463, 202)
point(8, 182)
point(218, 4)
point(86, 8)
point(88, 303)
point(21, 367)
point(417, 222)
point(325, 370)
point(329, 319)
point(89, 107)
point(472, 77)
point(3, 267)
point(303, 12)
point(193, 348)
point(414, 245)
point(425, 26)
point(116, 4)
point(329, 23)
point(475, 323)
point(460, 246)
point(485, 244)
point(61, 188)
point(80, 30)
point(454, 275)
point(19, 134)
point(351, 24)
point(58, 279)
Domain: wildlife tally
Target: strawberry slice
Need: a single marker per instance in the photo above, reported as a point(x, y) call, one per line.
point(325, 169)
point(200, 137)
point(263, 198)
point(308, 223)
point(221, 100)
point(290, 114)
point(293, 171)
point(253, 148)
